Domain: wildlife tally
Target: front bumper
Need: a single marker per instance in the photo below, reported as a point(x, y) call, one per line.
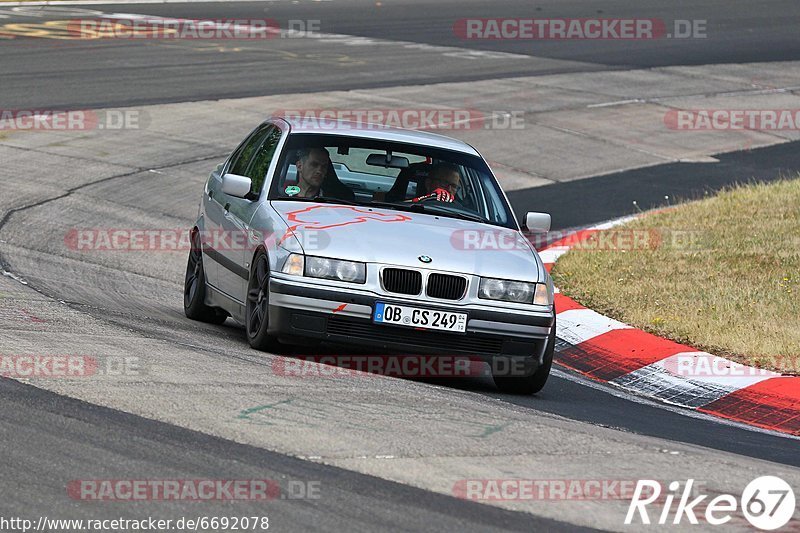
point(302, 312)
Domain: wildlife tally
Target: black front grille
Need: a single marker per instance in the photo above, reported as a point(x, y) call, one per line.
point(402, 281)
point(446, 287)
point(441, 342)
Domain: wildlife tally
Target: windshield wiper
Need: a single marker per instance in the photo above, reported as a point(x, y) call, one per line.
point(319, 199)
point(429, 210)
point(416, 208)
point(455, 214)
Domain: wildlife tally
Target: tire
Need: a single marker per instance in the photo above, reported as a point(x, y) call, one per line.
point(257, 307)
point(194, 288)
point(536, 381)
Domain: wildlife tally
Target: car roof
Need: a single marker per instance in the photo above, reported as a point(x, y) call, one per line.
point(365, 130)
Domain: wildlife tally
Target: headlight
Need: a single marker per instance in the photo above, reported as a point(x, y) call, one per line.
point(350, 271)
point(513, 291)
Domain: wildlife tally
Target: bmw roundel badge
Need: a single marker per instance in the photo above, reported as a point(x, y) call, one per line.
point(425, 259)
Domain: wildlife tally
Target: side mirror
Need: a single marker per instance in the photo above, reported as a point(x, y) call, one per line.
point(235, 185)
point(537, 222)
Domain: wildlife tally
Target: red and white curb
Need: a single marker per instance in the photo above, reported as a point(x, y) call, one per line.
point(609, 351)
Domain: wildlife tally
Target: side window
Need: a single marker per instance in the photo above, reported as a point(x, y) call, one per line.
point(262, 159)
point(241, 158)
point(497, 211)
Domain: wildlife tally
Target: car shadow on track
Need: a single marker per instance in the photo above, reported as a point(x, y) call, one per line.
point(331, 360)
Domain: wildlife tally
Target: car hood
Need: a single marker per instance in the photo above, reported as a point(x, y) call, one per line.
point(375, 235)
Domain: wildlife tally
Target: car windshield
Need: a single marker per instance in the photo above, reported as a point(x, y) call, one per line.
point(390, 175)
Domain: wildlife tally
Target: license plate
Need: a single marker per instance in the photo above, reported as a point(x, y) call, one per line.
point(415, 317)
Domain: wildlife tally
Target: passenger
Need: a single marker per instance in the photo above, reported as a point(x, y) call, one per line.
point(443, 182)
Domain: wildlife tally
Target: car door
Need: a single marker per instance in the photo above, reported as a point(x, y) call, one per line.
point(254, 162)
point(214, 203)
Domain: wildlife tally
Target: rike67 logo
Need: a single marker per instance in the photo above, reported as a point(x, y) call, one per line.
point(767, 503)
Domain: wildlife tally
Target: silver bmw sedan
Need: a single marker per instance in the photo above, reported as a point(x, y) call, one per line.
point(363, 235)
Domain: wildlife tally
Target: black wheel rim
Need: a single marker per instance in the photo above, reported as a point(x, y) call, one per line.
point(194, 271)
point(258, 297)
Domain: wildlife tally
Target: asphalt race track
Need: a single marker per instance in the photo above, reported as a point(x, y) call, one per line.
point(59, 429)
point(133, 73)
point(385, 452)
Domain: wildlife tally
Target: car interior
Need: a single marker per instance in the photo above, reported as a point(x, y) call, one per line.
point(367, 172)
